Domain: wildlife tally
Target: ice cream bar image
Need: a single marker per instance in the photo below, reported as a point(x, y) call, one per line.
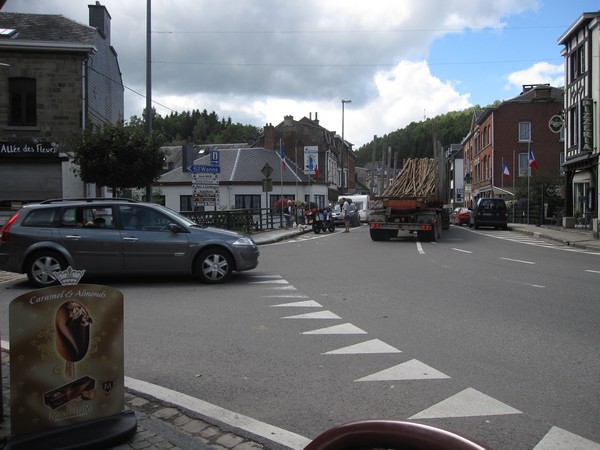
point(72, 324)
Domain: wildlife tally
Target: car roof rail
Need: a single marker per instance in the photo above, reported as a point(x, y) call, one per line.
point(88, 199)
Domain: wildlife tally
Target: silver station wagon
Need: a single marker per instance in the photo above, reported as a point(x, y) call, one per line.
point(118, 236)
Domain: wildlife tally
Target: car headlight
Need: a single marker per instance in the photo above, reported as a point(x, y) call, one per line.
point(244, 242)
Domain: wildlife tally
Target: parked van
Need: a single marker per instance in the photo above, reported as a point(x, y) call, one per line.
point(362, 203)
point(489, 212)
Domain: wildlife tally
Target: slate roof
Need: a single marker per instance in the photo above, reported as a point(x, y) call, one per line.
point(49, 28)
point(241, 166)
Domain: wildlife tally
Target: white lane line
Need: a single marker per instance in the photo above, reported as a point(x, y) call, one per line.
point(305, 304)
point(315, 315)
point(222, 415)
point(468, 403)
point(593, 271)
point(410, 370)
point(525, 284)
point(559, 439)
point(345, 328)
point(517, 260)
point(461, 250)
point(420, 248)
point(368, 347)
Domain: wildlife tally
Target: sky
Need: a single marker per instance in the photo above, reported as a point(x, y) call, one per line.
point(398, 61)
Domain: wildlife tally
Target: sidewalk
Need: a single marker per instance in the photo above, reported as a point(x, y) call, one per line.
point(169, 420)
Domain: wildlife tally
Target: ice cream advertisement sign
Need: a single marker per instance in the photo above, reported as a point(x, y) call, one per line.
point(66, 356)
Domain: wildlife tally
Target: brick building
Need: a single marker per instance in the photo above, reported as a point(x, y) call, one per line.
point(505, 134)
point(56, 74)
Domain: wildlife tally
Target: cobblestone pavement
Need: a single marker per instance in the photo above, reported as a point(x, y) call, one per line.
point(159, 426)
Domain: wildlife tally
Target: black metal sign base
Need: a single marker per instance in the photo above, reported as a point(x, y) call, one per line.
point(94, 434)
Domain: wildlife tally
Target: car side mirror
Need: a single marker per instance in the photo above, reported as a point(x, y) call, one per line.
point(174, 228)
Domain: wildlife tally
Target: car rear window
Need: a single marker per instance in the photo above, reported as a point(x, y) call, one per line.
point(43, 217)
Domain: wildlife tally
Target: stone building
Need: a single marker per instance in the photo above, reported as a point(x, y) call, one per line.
point(336, 160)
point(55, 75)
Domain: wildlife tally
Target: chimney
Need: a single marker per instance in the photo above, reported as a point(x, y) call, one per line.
point(316, 118)
point(100, 19)
point(269, 134)
point(288, 121)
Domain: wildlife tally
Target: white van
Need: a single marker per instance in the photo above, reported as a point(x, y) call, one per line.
point(362, 203)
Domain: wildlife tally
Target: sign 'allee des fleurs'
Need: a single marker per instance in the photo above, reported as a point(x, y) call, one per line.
point(15, 149)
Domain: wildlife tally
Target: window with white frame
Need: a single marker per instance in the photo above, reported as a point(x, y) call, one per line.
point(524, 131)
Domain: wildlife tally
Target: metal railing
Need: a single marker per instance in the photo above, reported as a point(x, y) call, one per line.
point(246, 221)
point(520, 215)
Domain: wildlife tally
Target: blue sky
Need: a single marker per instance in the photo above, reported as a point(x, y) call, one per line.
point(397, 60)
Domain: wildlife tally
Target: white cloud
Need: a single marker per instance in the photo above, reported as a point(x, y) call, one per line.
point(539, 73)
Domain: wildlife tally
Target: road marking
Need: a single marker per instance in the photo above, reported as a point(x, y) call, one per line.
point(272, 281)
point(315, 315)
point(593, 271)
point(517, 260)
point(420, 248)
point(461, 250)
point(368, 347)
point(270, 275)
point(559, 439)
point(410, 370)
point(345, 328)
point(286, 296)
point(468, 403)
point(305, 304)
point(284, 288)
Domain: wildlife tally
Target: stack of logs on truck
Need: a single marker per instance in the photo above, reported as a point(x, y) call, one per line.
point(414, 201)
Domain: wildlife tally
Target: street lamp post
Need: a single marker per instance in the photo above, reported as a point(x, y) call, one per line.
point(343, 145)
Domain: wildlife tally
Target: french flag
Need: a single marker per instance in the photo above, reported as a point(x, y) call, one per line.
point(531, 159)
point(505, 170)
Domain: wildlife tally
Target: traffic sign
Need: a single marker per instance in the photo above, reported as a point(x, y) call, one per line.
point(214, 157)
point(205, 169)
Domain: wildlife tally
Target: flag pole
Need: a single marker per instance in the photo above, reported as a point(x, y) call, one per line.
point(281, 183)
point(528, 177)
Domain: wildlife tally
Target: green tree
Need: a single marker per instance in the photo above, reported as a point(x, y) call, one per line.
point(117, 155)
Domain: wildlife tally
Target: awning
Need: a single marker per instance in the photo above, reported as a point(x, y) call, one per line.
point(583, 176)
point(496, 190)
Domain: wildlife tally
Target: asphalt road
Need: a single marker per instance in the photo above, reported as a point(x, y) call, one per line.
point(488, 333)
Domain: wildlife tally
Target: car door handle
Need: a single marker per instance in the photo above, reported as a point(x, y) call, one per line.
point(73, 236)
point(130, 239)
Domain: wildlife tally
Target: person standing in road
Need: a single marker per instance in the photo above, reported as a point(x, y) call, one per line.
point(288, 214)
point(346, 214)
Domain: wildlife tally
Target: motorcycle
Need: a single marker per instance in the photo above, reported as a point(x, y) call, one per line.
point(320, 221)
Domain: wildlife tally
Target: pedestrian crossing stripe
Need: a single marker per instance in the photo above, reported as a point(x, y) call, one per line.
point(558, 439)
point(345, 328)
point(289, 287)
point(315, 315)
point(467, 403)
point(304, 304)
point(410, 370)
point(286, 296)
point(271, 281)
point(372, 346)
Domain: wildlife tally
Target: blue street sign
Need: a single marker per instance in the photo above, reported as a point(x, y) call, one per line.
point(214, 157)
point(205, 169)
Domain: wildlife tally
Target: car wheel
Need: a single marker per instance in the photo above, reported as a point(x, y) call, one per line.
point(214, 266)
point(41, 267)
